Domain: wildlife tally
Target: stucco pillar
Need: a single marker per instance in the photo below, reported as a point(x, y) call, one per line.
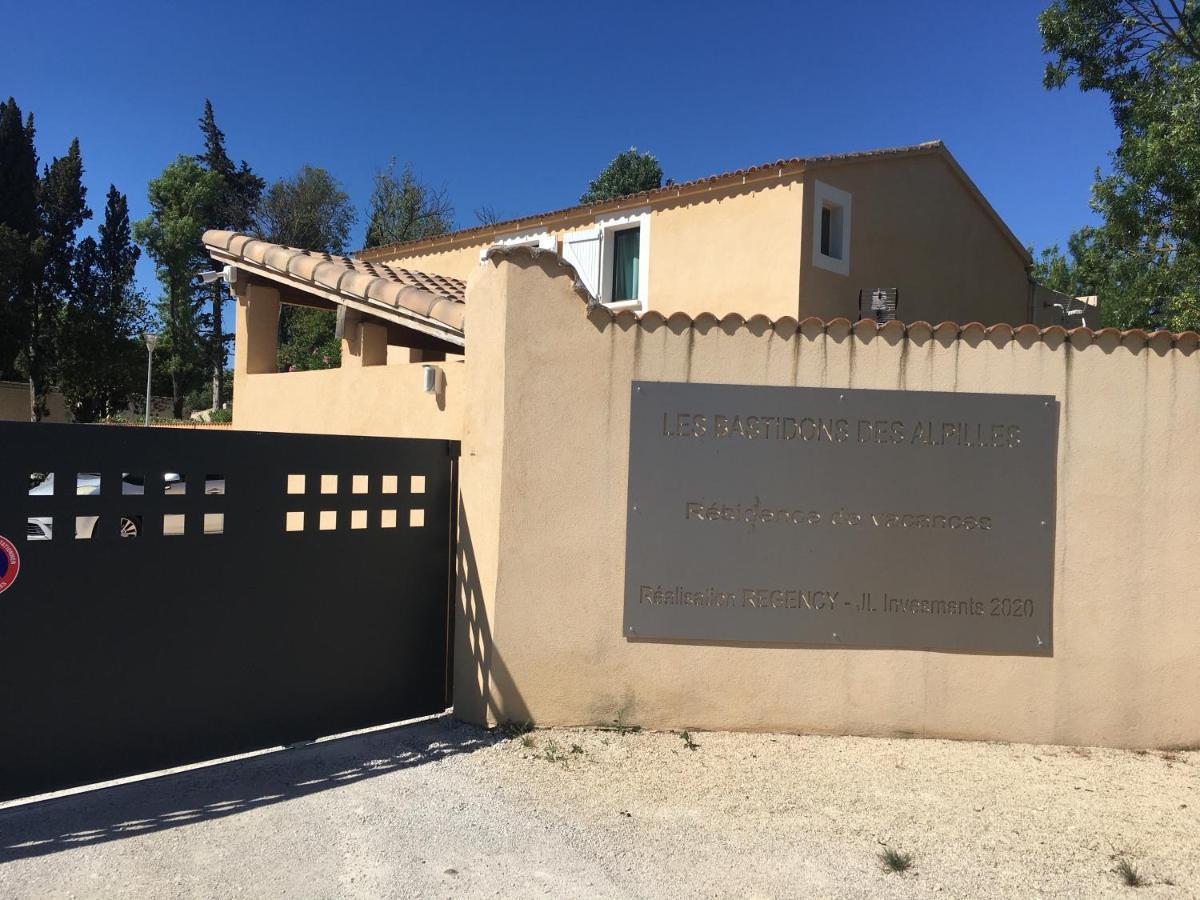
point(364, 343)
point(256, 333)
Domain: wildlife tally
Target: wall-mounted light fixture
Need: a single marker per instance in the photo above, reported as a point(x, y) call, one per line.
point(433, 380)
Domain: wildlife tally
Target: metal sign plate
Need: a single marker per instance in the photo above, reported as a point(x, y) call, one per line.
point(850, 518)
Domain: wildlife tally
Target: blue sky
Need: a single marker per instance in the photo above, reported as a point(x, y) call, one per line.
point(518, 108)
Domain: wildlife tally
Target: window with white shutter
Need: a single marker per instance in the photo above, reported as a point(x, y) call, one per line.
point(582, 250)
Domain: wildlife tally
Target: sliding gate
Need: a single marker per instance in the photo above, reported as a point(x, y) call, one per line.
point(175, 595)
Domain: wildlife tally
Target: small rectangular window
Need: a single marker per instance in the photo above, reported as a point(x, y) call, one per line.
point(41, 484)
point(87, 484)
point(831, 231)
point(627, 245)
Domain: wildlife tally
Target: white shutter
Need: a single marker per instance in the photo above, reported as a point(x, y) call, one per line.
point(582, 250)
point(547, 242)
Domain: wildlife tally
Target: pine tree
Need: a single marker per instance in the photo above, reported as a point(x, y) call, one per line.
point(181, 201)
point(235, 209)
point(19, 227)
point(101, 356)
point(62, 208)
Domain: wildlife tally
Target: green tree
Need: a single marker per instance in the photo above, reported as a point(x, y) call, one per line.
point(234, 209)
point(101, 356)
point(1144, 259)
point(405, 209)
point(181, 201)
point(62, 207)
point(19, 228)
point(311, 211)
point(630, 172)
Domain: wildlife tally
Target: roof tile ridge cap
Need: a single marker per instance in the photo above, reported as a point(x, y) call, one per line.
point(865, 324)
point(990, 329)
point(431, 299)
point(736, 318)
point(839, 322)
point(1136, 333)
point(292, 253)
point(919, 323)
point(947, 325)
point(212, 235)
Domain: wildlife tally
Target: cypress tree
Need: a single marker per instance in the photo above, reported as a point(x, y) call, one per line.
point(18, 230)
point(102, 358)
point(235, 209)
point(62, 209)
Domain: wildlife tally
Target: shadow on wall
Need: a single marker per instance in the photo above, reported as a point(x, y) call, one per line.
point(486, 690)
point(213, 792)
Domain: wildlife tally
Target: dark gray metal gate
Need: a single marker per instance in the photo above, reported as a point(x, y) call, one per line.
point(186, 594)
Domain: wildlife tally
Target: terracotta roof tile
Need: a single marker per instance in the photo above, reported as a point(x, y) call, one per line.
point(1187, 341)
point(435, 299)
point(509, 225)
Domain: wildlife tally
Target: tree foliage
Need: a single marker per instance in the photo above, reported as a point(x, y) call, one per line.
point(19, 229)
point(181, 202)
point(631, 172)
point(402, 208)
point(234, 209)
point(100, 354)
point(311, 211)
point(1144, 259)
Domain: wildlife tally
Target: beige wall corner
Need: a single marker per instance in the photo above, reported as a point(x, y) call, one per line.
point(482, 692)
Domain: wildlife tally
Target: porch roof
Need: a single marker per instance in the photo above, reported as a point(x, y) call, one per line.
point(432, 304)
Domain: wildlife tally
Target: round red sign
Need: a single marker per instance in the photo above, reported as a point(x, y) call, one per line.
point(10, 563)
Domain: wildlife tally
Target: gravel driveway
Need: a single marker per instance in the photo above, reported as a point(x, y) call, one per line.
point(444, 809)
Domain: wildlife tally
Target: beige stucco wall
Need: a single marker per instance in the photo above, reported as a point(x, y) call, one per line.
point(14, 403)
point(542, 548)
point(915, 226)
point(386, 401)
point(382, 400)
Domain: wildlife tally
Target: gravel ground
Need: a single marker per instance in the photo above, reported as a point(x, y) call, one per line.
point(445, 809)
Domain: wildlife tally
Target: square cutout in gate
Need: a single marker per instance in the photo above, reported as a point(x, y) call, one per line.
point(387, 518)
point(173, 524)
point(416, 484)
point(358, 518)
point(416, 518)
point(359, 484)
point(327, 520)
point(390, 484)
point(329, 484)
point(214, 523)
point(294, 521)
point(295, 484)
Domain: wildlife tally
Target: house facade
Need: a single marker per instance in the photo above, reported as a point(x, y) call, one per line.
point(819, 236)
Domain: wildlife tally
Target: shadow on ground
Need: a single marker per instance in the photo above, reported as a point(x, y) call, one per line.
point(155, 804)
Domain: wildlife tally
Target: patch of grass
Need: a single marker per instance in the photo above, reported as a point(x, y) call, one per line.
point(553, 753)
point(527, 741)
point(575, 748)
point(514, 729)
point(895, 860)
point(1129, 874)
point(621, 724)
point(688, 741)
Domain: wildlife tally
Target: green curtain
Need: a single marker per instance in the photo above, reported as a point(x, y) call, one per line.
point(626, 247)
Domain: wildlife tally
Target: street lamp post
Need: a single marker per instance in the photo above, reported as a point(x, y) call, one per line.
point(151, 342)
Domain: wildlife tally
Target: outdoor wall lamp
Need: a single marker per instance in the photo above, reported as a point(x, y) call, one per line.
point(433, 380)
